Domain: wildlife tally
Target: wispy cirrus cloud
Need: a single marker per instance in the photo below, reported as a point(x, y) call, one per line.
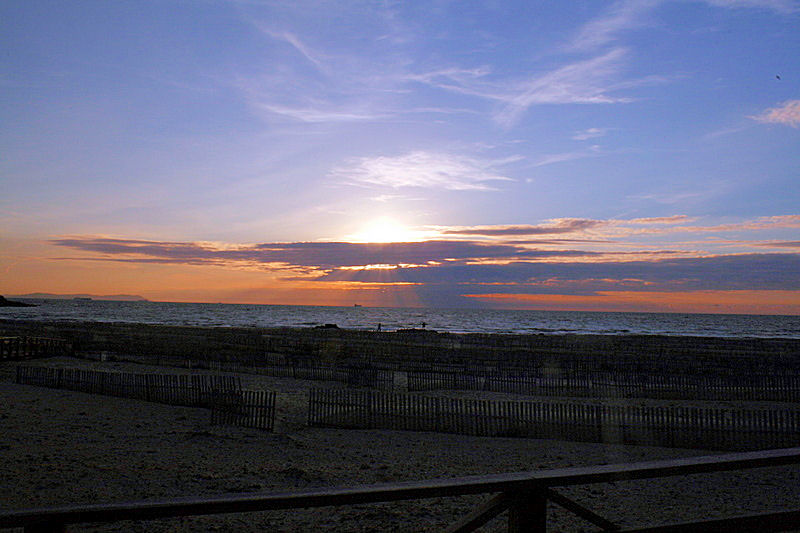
point(626, 15)
point(780, 6)
point(677, 197)
point(355, 85)
point(423, 169)
point(317, 74)
point(296, 43)
point(323, 113)
point(787, 113)
point(550, 159)
point(375, 76)
point(583, 82)
point(587, 81)
point(589, 133)
point(606, 28)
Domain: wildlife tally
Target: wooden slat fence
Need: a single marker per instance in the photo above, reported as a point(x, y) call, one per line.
point(782, 388)
point(683, 427)
point(229, 404)
point(32, 347)
point(245, 408)
point(430, 380)
point(173, 389)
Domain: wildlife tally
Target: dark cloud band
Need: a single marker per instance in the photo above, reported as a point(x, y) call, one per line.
point(460, 267)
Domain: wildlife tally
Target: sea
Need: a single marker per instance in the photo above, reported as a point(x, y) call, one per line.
point(390, 318)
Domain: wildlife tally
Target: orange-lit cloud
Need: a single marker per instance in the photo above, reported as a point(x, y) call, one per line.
point(606, 230)
point(320, 255)
point(462, 266)
point(554, 227)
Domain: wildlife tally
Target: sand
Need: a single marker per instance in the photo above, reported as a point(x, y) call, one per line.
point(59, 447)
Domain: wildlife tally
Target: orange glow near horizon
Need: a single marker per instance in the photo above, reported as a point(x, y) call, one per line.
point(31, 267)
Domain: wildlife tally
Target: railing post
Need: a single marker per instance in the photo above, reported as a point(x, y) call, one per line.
point(528, 512)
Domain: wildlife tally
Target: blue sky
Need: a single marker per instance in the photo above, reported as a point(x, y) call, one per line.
point(633, 131)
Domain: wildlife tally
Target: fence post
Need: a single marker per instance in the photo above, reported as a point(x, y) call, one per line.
point(528, 512)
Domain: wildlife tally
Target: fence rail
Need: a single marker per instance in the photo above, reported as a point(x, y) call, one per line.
point(683, 427)
point(523, 494)
point(782, 388)
point(32, 347)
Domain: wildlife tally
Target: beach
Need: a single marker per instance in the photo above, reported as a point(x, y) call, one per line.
point(61, 447)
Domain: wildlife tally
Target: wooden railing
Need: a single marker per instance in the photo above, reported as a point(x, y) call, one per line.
point(523, 494)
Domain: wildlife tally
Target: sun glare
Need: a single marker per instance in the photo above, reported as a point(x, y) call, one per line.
point(386, 230)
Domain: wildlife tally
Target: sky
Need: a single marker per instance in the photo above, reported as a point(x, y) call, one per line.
point(637, 155)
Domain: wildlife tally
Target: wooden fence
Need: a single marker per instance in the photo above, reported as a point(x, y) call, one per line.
point(523, 495)
point(782, 388)
point(245, 408)
point(32, 347)
point(229, 404)
point(173, 389)
point(682, 427)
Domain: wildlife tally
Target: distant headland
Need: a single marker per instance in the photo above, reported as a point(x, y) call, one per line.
point(11, 303)
point(51, 296)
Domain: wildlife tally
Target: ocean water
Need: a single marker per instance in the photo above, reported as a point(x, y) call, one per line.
point(449, 320)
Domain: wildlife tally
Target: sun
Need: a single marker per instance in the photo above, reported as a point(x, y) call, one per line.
point(386, 229)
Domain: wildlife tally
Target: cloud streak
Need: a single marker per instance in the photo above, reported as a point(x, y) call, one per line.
point(587, 81)
point(627, 15)
point(779, 6)
point(319, 255)
point(589, 133)
point(620, 17)
point(731, 272)
point(371, 78)
point(787, 113)
point(556, 227)
point(421, 169)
